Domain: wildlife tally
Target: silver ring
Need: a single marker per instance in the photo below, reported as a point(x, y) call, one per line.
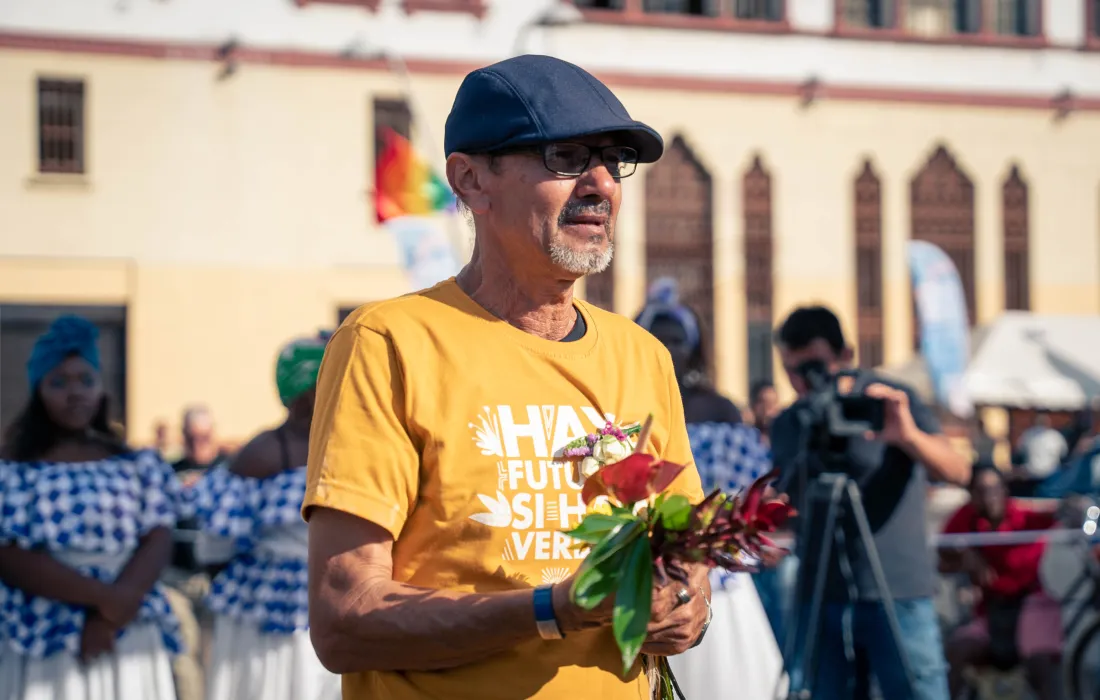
point(683, 596)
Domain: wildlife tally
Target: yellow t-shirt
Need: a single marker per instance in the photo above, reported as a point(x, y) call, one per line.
point(439, 422)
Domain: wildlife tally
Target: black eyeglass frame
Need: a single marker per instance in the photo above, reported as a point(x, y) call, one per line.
point(543, 150)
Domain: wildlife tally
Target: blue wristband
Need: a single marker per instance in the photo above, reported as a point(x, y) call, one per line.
point(545, 620)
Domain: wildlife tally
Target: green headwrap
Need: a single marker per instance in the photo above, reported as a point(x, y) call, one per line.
point(297, 366)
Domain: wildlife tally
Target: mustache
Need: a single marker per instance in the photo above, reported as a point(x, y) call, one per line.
point(576, 208)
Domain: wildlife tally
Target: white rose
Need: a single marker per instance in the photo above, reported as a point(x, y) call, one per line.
point(589, 466)
point(608, 449)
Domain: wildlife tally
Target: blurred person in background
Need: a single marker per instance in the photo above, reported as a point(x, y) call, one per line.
point(1039, 452)
point(1014, 620)
point(85, 531)
point(249, 514)
point(982, 443)
point(702, 403)
point(188, 581)
point(201, 450)
point(891, 470)
point(764, 404)
point(741, 650)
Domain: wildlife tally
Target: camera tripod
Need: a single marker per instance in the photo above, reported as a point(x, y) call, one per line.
point(841, 498)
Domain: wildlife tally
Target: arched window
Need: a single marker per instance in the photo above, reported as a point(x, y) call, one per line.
point(679, 231)
point(868, 239)
point(942, 211)
point(757, 204)
point(1017, 266)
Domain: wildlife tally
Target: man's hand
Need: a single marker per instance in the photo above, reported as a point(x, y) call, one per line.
point(571, 617)
point(899, 427)
point(97, 637)
point(980, 572)
point(674, 627)
point(120, 604)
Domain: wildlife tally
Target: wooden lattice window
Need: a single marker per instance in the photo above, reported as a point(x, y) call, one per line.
point(765, 10)
point(868, 224)
point(390, 114)
point(756, 189)
point(60, 126)
point(599, 289)
point(941, 200)
point(1017, 259)
point(680, 231)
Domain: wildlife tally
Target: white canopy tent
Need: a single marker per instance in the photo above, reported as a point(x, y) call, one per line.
point(1037, 361)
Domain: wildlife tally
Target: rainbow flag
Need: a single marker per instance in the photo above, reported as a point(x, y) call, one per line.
point(404, 184)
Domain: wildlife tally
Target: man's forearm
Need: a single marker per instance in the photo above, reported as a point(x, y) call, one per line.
point(396, 627)
point(937, 455)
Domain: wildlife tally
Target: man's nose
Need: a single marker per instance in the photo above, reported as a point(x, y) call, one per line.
point(597, 182)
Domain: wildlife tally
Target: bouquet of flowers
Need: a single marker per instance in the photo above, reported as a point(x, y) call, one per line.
point(641, 533)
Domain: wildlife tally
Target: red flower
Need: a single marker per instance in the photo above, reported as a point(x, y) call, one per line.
point(760, 515)
point(632, 479)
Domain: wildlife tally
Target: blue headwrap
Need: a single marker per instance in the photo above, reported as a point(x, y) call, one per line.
point(664, 300)
point(68, 335)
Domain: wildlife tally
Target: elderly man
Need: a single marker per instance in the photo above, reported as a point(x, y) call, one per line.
point(437, 495)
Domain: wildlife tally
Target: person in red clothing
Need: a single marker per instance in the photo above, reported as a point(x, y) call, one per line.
point(1014, 621)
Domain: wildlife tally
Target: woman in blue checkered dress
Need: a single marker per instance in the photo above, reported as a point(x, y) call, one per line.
point(740, 650)
point(250, 518)
point(85, 531)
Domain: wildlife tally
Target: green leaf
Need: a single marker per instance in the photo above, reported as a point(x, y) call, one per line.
point(633, 603)
point(594, 584)
point(675, 512)
point(600, 571)
point(596, 527)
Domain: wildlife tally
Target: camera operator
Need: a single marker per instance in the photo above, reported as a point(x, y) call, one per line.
point(889, 468)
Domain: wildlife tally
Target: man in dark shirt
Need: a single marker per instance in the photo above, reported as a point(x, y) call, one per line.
point(890, 469)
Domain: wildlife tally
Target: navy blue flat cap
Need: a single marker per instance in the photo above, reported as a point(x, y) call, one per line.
point(530, 100)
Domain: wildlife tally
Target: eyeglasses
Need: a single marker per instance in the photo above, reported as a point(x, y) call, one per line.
point(573, 159)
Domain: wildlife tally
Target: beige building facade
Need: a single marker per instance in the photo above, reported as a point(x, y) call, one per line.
point(223, 198)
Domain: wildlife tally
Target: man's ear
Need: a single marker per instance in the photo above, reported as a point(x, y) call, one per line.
point(467, 176)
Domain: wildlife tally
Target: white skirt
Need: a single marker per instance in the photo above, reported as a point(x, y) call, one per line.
point(139, 669)
point(739, 657)
point(248, 665)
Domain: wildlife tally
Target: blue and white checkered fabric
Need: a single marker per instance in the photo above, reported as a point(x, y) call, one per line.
point(268, 590)
point(729, 457)
point(101, 507)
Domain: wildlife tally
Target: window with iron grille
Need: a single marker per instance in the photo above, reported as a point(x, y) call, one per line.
point(868, 225)
point(941, 199)
point(879, 14)
point(600, 4)
point(1014, 201)
point(679, 232)
point(767, 10)
point(60, 126)
point(1095, 28)
point(705, 8)
point(756, 190)
point(1017, 17)
point(390, 114)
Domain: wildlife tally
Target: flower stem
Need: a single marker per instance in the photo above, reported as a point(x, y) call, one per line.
point(643, 436)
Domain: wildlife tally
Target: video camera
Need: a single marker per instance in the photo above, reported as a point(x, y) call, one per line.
point(831, 415)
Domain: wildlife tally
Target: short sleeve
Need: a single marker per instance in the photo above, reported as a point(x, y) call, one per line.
point(960, 522)
point(162, 493)
point(362, 458)
point(678, 449)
